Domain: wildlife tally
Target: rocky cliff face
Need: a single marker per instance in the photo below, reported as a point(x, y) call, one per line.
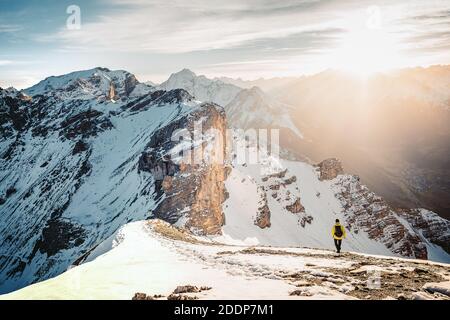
point(430, 225)
point(370, 213)
point(190, 192)
point(14, 113)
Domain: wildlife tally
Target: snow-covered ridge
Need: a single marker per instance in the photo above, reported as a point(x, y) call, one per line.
point(97, 83)
point(155, 258)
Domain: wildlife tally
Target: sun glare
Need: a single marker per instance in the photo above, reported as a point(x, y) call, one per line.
point(365, 51)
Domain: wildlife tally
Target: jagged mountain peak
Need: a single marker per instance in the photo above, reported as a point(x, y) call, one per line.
point(185, 72)
point(8, 91)
point(56, 82)
point(252, 108)
point(181, 77)
point(201, 87)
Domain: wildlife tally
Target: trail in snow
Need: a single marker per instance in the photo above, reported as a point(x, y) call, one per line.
point(154, 257)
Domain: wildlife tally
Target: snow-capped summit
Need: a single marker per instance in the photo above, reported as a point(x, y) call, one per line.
point(252, 108)
point(187, 73)
point(201, 87)
point(99, 83)
point(58, 82)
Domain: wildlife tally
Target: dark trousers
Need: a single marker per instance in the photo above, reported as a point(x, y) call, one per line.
point(338, 244)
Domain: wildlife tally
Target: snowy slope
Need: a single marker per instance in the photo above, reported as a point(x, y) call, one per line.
point(301, 209)
point(154, 258)
point(286, 229)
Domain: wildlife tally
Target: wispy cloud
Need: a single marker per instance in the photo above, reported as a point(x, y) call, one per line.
point(6, 28)
point(190, 26)
point(427, 32)
point(434, 15)
point(5, 62)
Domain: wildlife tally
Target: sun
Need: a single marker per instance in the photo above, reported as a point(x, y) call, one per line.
point(364, 51)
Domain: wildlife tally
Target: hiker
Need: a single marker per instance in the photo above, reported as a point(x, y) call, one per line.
point(338, 233)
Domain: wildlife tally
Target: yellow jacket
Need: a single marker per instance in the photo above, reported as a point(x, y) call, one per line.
point(344, 234)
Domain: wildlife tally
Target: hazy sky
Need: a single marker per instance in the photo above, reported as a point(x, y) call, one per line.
point(247, 39)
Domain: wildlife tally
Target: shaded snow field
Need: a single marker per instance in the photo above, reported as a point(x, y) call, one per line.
point(154, 258)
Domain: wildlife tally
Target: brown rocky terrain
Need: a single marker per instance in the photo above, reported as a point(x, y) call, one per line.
point(330, 169)
point(194, 191)
point(275, 185)
point(263, 216)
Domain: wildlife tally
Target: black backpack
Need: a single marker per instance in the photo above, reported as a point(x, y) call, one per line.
point(338, 231)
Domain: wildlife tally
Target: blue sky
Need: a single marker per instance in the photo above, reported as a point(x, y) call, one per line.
point(255, 38)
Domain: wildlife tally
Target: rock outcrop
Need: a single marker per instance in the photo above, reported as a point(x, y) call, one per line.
point(283, 188)
point(263, 215)
point(366, 211)
point(295, 207)
point(111, 93)
point(14, 112)
point(190, 191)
point(330, 169)
point(430, 225)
